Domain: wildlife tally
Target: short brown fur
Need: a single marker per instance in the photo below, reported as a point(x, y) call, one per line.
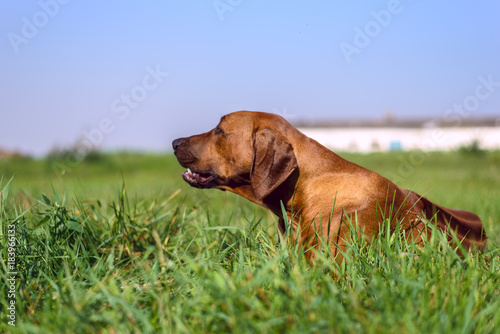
point(261, 157)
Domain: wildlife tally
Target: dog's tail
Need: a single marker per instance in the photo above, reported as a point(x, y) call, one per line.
point(466, 225)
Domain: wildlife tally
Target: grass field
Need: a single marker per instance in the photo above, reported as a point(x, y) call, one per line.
point(120, 244)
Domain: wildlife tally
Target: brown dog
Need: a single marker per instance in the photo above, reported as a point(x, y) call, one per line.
point(263, 158)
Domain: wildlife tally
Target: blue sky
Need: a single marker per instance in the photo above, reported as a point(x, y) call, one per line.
point(129, 74)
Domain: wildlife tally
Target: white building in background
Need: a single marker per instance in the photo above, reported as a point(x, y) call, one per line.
point(404, 135)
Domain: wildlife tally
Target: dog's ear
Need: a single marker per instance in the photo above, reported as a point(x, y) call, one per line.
point(273, 162)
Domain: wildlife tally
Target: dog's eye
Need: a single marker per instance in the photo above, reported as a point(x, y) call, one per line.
point(218, 130)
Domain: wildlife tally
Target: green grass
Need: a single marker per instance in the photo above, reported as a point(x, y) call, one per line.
point(121, 244)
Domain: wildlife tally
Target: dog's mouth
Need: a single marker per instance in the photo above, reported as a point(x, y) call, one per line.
point(199, 180)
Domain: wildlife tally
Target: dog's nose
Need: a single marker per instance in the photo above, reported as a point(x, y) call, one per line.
point(176, 143)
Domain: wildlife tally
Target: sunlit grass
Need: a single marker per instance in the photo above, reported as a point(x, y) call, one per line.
point(164, 261)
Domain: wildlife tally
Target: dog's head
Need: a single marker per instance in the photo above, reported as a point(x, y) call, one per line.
point(244, 149)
